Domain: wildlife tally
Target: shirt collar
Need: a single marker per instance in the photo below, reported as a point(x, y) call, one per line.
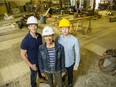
point(66, 36)
point(30, 36)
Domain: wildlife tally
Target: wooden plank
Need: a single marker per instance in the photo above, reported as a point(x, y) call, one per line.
point(112, 19)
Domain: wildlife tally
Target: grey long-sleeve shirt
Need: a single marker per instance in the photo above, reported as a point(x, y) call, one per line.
point(71, 48)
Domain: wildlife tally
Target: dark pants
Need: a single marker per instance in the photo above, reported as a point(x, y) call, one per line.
point(57, 77)
point(33, 77)
point(70, 74)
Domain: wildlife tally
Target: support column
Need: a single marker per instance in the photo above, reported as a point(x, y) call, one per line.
point(97, 4)
point(80, 4)
point(60, 1)
point(94, 6)
point(111, 1)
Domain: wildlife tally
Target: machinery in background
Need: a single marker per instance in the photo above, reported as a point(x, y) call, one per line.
point(107, 62)
point(7, 17)
point(22, 22)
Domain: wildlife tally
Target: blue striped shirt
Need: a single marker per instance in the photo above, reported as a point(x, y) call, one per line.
point(51, 54)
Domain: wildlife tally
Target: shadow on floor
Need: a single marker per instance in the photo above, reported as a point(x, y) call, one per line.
point(87, 60)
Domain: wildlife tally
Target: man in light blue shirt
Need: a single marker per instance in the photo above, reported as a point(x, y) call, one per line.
point(71, 47)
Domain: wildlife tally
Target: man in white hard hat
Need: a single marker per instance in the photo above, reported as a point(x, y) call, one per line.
point(51, 58)
point(29, 49)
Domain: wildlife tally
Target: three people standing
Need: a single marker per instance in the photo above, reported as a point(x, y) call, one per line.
point(52, 57)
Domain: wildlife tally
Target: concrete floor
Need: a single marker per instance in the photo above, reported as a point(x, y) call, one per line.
point(15, 73)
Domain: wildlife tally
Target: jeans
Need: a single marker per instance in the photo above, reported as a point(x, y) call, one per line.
point(57, 77)
point(33, 77)
point(70, 74)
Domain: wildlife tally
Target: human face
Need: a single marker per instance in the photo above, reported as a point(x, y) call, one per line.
point(32, 28)
point(65, 31)
point(48, 39)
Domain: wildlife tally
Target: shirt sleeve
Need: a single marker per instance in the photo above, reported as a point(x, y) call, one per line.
point(63, 59)
point(40, 39)
point(77, 52)
point(24, 44)
point(40, 61)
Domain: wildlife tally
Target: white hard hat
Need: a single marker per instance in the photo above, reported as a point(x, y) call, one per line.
point(32, 20)
point(47, 31)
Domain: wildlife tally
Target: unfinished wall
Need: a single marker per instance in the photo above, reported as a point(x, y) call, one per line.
point(19, 2)
point(2, 9)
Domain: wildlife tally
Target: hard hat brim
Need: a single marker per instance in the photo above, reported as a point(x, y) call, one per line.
point(47, 34)
point(31, 24)
point(64, 26)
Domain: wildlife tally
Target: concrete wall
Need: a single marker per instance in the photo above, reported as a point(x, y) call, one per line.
point(22, 2)
point(19, 2)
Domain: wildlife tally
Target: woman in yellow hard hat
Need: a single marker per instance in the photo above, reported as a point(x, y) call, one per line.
point(71, 47)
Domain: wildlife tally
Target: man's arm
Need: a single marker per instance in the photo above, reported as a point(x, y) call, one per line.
point(77, 52)
point(24, 57)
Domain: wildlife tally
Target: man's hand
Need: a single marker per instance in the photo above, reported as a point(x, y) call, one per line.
point(43, 75)
point(75, 68)
point(33, 67)
point(63, 74)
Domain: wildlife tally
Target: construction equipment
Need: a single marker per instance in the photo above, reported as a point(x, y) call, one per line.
point(6, 17)
point(82, 24)
point(22, 22)
point(107, 62)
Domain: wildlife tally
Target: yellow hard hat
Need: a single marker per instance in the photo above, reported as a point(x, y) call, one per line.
point(64, 23)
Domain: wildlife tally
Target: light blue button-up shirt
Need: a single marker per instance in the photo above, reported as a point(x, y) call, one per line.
point(71, 48)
